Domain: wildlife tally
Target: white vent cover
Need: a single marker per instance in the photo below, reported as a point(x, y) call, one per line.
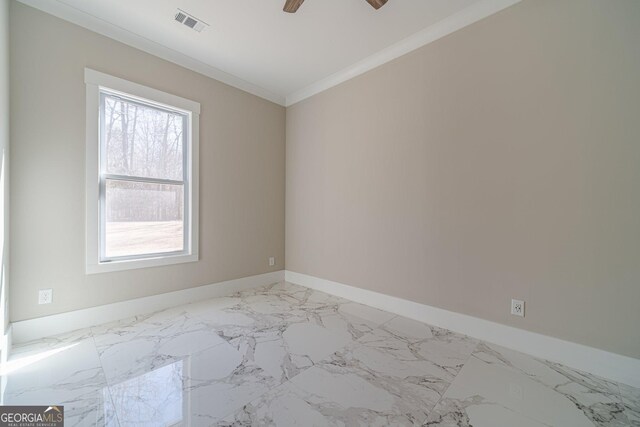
point(190, 21)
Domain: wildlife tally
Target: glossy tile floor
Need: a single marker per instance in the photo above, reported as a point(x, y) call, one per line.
point(289, 356)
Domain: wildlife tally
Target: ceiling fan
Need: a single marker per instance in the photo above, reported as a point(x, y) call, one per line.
point(291, 6)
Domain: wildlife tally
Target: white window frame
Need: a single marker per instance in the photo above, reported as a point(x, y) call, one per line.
point(95, 83)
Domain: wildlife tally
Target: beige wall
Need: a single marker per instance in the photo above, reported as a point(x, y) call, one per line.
point(502, 161)
point(4, 166)
point(241, 170)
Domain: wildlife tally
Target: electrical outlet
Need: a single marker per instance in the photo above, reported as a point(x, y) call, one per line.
point(272, 261)
point(45, 296)
point(517, 307)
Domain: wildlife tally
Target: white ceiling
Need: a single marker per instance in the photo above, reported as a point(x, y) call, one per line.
point(254, 45)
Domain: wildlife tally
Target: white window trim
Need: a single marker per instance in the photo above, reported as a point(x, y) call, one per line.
point(94, 81)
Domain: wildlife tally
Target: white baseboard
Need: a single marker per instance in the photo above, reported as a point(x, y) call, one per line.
point(27, 330)
point(602, 363)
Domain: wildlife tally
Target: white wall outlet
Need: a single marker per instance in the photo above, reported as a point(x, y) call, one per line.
point(517, 307)
point(272, 261)
point(45, 296)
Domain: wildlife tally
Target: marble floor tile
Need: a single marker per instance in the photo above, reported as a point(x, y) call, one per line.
point(597, 398)
point(287, 355)
point(303, 336)
point(356, 319)
point(285, 350)
point(241, 319)
point(318, 397)
point(498, 384)
point(412, 341)
point(164, 322)
point(361, 384)
point(292, 329)
point(196, 389)
point(295, 301)
point(129, 348)
point(67, 374)
point(282, 299)
point(43, 345)
point(413, 386)
point(631, 399)
point(475, 411)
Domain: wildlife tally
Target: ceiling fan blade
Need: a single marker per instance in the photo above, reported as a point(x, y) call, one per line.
point(291, 6)
point(377, 4)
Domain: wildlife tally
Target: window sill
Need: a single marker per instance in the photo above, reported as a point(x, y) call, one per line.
point(108, 267)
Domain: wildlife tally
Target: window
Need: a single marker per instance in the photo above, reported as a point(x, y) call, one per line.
point(142, 187)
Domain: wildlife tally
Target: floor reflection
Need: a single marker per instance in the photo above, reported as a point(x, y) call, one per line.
point(155, 397)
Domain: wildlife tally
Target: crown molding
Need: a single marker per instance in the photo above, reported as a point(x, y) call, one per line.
point(458, 20)
point(63, 11)
point(455, 22)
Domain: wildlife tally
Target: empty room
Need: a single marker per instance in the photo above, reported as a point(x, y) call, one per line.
point(320, 213)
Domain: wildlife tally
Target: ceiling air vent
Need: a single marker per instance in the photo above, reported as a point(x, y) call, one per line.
point(190, 21)
point(180, 17)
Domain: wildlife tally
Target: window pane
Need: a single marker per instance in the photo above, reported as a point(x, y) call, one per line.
point(142, 140)
point(143, 218)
